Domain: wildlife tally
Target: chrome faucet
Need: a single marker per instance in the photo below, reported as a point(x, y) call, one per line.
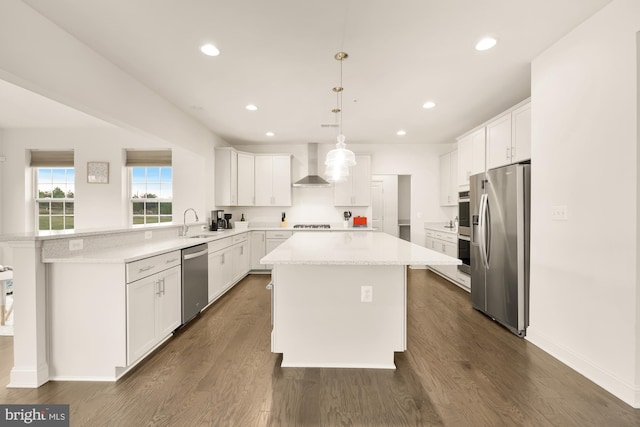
point(185, 227)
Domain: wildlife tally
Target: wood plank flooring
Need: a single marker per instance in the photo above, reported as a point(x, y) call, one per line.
point(461, 369)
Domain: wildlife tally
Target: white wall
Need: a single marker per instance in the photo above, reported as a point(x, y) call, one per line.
point(97, 205)
point(584, 278)
point(316, 204)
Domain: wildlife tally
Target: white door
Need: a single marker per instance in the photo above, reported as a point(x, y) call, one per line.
point(141, 318)
point(377, 205)
point(246, 179)
point(168, 308)
point(263, 181)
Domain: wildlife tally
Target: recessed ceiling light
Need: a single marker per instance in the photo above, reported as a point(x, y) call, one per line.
point(486, 43)
point(270, 134)
point(401, 133)
point(429, 104)
point(251, 107)
point(209, 50)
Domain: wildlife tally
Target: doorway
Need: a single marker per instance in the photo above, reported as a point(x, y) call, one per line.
point(391, 205)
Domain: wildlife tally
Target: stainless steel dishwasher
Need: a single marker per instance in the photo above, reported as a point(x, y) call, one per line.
point(195, 277)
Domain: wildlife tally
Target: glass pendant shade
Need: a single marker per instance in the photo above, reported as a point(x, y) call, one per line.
point(340, 155)
point(337, 173)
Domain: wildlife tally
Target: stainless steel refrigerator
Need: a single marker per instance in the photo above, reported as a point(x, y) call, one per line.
point(500, 224)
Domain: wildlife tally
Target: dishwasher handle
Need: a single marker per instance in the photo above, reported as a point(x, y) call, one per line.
point(195, 255)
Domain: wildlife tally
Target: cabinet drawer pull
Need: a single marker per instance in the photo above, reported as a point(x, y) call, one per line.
point(169, 261)
point(143, 269)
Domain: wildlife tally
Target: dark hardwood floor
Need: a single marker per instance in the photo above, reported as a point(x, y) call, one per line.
point(461, 369)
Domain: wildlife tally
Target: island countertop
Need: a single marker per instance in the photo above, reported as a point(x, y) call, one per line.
point(353, 248)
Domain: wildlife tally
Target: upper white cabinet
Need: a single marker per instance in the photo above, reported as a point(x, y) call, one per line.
point(246, 179)
point(471, 155)
point(226, 175)
point(448, 179)
point(356, 189)
point(509, 137)
point(521, 133)
point(272, 180)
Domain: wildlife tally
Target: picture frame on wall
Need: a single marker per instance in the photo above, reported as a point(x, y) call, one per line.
point(98, 172)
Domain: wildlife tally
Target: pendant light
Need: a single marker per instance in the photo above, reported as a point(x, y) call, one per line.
point(340, 159)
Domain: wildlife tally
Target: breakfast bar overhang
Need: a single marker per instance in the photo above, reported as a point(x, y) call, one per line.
point(340, 299)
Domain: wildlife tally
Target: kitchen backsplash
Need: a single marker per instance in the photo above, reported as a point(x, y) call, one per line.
point(309, 205)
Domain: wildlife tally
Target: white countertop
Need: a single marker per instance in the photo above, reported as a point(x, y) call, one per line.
point(440, 226)
point(363, 248)
point(133, 252)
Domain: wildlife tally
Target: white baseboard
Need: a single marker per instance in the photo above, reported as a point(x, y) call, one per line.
point(628, 393)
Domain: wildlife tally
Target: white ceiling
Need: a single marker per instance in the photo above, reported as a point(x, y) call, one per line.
point(278, 55)
point(21, 108)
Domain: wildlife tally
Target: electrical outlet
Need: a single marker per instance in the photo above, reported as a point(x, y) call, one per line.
point(559, 213)
point(76, 245)
point(366, 293)
point(148, 234)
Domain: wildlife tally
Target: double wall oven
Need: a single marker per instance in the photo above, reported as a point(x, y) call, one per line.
point(464, 232)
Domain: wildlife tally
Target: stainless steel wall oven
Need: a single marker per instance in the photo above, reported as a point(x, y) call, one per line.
point(464, 232)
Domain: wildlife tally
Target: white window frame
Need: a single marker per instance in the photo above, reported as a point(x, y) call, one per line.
point(63, 200)
point(158, 200)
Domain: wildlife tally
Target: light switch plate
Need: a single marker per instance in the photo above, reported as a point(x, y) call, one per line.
point(559, 213)
point(366, 293)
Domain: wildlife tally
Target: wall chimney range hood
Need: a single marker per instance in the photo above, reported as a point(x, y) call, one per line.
point(312, 179)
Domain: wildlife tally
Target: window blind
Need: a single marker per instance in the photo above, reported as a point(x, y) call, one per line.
point(148, 158)
point(51, 159)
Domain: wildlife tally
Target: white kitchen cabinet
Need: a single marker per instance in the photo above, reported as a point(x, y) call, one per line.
point(445, 243)
point(499, 142)
point(228, 263)
point(356, 189)
point(272, 180)
point(240, 256)
point(274, 239)
point(153, 307)
point(449, 179)
point(141, 321)
point(521, 133)
point(220, 267)
point(258, 249)
point(226, 176)
point(509, 137)
point(246, 179)
point(471, 155)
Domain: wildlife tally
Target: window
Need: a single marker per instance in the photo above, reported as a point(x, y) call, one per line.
point(55, 198)
point(151, 194)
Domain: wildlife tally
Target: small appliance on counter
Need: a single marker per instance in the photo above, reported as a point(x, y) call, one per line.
point(227, 221)
point(359, 221)
point(347, 215)
point(217, 220)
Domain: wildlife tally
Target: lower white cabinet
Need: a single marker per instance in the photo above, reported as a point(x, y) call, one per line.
point(220, 272)
point(446, 243)
point(258, 249)
point(153, 311)
point(229, 262)
point(275, 239)
point(240, 256)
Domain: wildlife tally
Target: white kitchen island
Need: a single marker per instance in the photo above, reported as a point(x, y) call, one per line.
point(340, 299)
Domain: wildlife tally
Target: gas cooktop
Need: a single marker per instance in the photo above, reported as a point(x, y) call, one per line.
point(327, 226)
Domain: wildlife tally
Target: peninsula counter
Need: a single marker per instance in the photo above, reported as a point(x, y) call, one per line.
point(339, 299)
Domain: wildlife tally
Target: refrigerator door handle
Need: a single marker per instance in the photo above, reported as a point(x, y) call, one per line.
point(482, 229)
